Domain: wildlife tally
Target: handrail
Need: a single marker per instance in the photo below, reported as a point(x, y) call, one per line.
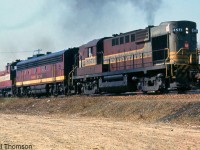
point(168, 54)
point(197, 55)
point(175, 57)
point(71, 74)
point(181, 49)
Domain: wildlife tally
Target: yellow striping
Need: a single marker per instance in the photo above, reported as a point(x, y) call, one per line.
point(60, 78)
point(122, 60)
point(19, 83)
point(89, 58)
point(128, 55)
point(48, 79)
point(136, 51)
point(90, 61)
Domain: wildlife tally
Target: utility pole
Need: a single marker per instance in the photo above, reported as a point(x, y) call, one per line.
point(38, 51)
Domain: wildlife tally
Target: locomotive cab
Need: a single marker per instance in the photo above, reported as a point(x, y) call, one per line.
point(176, 45)
point(175, 42)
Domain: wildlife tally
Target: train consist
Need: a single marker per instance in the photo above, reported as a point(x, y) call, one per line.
point(157, 58)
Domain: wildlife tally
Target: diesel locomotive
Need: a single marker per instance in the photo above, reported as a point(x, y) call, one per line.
point(45, 74)
point(155, 59)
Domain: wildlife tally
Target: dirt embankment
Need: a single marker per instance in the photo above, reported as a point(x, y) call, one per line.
point(150, 122)
point(181, 109)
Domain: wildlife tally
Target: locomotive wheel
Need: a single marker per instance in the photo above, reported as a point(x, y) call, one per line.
point(181, 91)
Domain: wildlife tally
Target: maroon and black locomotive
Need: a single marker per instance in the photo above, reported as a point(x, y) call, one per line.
point(157, 58)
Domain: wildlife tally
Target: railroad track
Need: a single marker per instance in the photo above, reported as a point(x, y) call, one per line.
point(193, 91)
point(173, 92)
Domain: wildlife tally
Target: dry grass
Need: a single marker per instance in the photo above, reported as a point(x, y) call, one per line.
point(150, 108)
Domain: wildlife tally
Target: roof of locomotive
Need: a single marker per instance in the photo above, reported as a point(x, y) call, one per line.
point(92, 43)
point(129, 32)
point(151, 26)
point(41, 57)
point(170, 22)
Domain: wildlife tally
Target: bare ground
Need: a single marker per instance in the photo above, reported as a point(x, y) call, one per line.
point(102, 122)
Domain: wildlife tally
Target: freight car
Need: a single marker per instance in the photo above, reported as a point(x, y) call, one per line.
point(157, 58)
point(45, 74)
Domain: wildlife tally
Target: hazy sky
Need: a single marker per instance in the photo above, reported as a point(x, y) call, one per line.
point(53, 25)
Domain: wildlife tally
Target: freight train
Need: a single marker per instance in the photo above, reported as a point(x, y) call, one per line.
point(155, 59)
